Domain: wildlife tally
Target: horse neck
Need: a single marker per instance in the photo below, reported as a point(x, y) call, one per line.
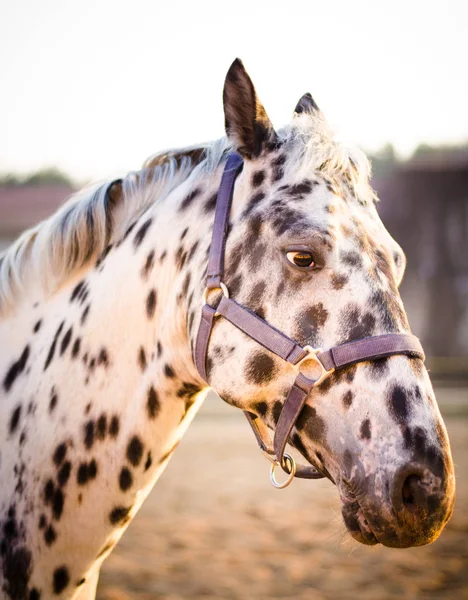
point(110, 371)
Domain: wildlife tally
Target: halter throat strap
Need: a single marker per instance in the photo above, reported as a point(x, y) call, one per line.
point(324, 363)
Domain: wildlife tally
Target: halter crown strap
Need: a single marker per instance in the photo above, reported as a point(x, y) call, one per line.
point(370, 348)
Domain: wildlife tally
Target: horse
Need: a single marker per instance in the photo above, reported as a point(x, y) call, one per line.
point(114, 326)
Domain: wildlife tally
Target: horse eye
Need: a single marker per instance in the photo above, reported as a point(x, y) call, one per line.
point(301, 259)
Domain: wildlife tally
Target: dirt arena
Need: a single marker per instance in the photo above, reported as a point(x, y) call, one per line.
point(214, 527)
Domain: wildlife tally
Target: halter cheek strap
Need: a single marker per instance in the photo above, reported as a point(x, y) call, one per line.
point(301, 357)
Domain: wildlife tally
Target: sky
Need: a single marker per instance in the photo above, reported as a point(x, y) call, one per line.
point(96, 86)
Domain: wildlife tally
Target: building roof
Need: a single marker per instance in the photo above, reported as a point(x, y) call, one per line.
point(23, 206)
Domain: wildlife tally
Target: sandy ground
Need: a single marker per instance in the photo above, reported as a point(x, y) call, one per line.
point(214, 527)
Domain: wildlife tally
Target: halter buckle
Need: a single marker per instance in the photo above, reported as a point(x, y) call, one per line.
point(312, 355)
point(207, 291)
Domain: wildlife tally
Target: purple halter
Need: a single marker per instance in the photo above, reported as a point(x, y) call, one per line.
point(370, 348)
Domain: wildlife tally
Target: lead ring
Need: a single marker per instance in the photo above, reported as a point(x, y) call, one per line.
point(207, 290)
point(292, 466)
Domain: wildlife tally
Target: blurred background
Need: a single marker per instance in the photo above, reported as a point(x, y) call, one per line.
point(90, 89)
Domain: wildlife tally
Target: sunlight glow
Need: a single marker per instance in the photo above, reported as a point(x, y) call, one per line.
point(94, 87)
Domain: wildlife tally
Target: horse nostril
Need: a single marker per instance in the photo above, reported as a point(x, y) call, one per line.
point(409, 491)
point(413, 493)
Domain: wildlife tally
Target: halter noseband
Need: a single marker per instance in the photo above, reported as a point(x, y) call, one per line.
point(370, 348)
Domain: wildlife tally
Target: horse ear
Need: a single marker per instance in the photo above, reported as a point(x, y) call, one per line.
point(306, 105)
point(246, 122)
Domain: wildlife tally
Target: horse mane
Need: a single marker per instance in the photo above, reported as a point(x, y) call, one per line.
point(98, 215)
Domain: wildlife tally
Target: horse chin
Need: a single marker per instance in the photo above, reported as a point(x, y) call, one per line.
point(357, 524)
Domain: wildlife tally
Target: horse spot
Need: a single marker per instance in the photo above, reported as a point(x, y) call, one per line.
point(76, 348)
point(114, 426)
point(51, 353)
point(85, 314)
point(260, 408)
point(61, 579)
point(276, 410)
point(300, 189)
point(53, 400)
point(37, 326)
point(168, 371)
point(148, 266)
point(311, 424)
point(149, 461)
point(141, 233)
point(189, 199)
point(92, 469)
point(253, 202)
point(15, 419)
point(135, 451)
point(260, 368)
point(10, 529)
point(151, 303)
point(339, 280)
point(125, 479)
point(16, 369)
point(152, 403)
point(50, 535)
point(356, 324)
point(348, 399)
point(103, 358)
point(310, 322)
point(82, 474)
point(365, 432)
point(101, 427)
point(65, 341)
point(188, 389)
point(210, 204)
point(89, 434)
point(256, 296)
point(49, 489)
point(57, 504)
point(64, 473)
point(34, 594)
point(42, 521)
point(17, 566)
point(258, 178)
point(60, 453)
point(119, 515)
point(278, 171)
point(287, 219)
point(398, 404)
point(378, 368)
point(351, 259)
point(185, 285)
point(349, 373)
point(234, 285)
point(77, 290)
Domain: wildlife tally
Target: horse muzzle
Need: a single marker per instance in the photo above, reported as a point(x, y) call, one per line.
point(408, 508)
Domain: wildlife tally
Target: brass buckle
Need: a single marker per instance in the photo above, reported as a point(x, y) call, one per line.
point(312, 355)
point(207, 291)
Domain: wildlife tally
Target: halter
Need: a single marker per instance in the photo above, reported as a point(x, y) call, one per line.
point(301, 357)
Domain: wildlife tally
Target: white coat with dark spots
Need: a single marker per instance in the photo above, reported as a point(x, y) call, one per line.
point(99, 310)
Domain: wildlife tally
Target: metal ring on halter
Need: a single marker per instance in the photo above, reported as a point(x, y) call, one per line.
point(207, 290)
point(289, 460)
point(312, 355)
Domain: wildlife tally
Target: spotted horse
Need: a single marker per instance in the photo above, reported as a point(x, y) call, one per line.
point(115, 320)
